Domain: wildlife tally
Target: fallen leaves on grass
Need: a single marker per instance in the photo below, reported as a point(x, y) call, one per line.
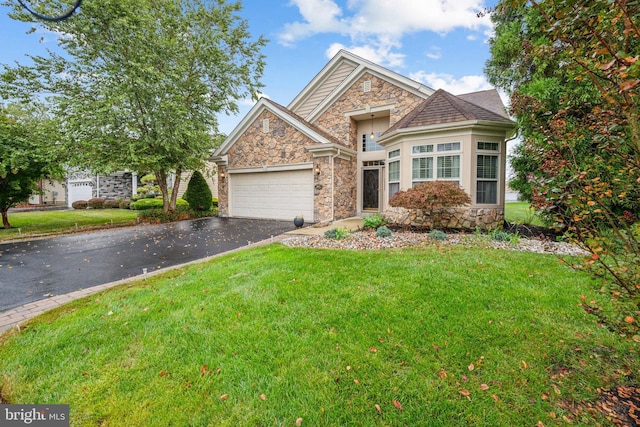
point(378, 408)
point(397, 405)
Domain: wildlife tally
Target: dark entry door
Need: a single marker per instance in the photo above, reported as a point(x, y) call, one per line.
point(371, 189)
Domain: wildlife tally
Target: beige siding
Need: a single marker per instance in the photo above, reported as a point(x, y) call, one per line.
point(325, 89)
point(209, 175)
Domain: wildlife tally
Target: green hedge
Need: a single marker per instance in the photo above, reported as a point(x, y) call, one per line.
point(144, 204)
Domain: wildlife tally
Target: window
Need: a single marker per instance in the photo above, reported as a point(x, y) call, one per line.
point(418, 149)
point(449, 167)
point(449, 146)
point(487, 172)
point(487, 179)
point(488, 146)
point(394, 177)
point(422, 170)
point(429, 165)
point(369, 144)
point(393, 154)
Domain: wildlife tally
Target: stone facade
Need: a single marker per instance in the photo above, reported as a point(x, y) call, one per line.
point(116, 186)
point(281, 145)
point(382, 93)
point(451, 218)
point(223, 191)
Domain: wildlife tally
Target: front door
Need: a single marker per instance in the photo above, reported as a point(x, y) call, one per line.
point(371, 189)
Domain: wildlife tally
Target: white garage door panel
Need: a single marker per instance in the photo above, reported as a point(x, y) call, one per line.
point(274, 195)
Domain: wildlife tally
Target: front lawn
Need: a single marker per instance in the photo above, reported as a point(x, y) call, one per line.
point(35, 223)
point(437, 336)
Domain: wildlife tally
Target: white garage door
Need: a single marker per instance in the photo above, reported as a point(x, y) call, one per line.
point(79, 190)
point(273, 195)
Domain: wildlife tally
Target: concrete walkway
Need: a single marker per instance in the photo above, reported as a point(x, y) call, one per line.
point(13, 318)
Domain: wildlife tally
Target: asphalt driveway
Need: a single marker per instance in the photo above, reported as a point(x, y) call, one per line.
point(39, 269)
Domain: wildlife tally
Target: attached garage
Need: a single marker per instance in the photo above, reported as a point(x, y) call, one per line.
point(272, 195)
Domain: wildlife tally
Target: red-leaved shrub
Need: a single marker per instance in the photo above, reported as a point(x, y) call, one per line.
point(431, 196)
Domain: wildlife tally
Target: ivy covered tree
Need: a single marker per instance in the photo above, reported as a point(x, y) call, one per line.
point(28, 153)
point(141, 81)
point(573, 72)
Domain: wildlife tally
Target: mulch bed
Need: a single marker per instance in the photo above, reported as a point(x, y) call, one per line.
point(620, 405)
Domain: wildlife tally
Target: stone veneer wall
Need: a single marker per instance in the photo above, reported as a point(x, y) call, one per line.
point(465, 218)
point(116, 186)
point(345, 194)
point(382, 93)
point(282, 145)
point(223, 192)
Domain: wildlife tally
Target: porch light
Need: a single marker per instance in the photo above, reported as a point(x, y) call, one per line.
point(222, 175)
point(317, 170)
point(372, 136)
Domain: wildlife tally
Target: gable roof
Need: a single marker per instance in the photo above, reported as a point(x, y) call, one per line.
point(342, 71)
point(309, 129)
point(444, 108)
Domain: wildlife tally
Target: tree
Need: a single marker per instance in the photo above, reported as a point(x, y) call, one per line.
point(198, 193)
point(574, 86)
point(27, 154)
point(141, 82)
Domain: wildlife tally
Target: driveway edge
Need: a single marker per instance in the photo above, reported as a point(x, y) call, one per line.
point(14, 317)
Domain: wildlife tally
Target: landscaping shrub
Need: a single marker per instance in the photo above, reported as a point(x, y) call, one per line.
point(111, 204)
point(336, 233)
point(373, 221)
point(214, 202)
point(383, 231)
point(79, 204)
point(198, 193)
point(437, 235)
point(432, 196)
point(500, 236)
point(124, 204)
point(95, 203)
point(144, 204)
point(158, 216)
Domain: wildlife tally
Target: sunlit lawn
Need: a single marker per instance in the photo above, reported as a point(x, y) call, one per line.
point(435, 336)
point(521, 213)
point(33, 223)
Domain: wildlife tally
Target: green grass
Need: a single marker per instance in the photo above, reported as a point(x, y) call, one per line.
point(521, 213)
point(272, 334)
point(33, 223)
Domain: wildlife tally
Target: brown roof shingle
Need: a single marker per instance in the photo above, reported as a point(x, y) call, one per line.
point(443, 107)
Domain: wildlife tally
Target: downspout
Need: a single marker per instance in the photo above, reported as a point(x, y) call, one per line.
point(333, 205)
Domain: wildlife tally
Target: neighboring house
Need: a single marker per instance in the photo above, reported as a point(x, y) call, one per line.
point(355, 135)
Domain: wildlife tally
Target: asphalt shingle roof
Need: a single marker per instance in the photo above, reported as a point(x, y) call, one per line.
point(443, 107)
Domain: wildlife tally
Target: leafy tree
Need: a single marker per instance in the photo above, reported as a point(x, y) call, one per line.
point(27, 154)
point(141, 82)
point(198, 193)
point(574, 86)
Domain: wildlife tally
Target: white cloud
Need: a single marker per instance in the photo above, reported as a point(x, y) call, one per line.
point(376, 27)
point(377, 54)
point(434, 53)
point(383, 18)
point(456, 86)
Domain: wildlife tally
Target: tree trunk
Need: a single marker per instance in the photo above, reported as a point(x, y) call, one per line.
point(174, 191)
point(161, 178)
point(5, 218)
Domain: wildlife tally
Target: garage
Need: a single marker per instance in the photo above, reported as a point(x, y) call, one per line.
point(272, 195)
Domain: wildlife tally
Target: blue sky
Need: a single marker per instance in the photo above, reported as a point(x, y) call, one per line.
point(441, 43)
